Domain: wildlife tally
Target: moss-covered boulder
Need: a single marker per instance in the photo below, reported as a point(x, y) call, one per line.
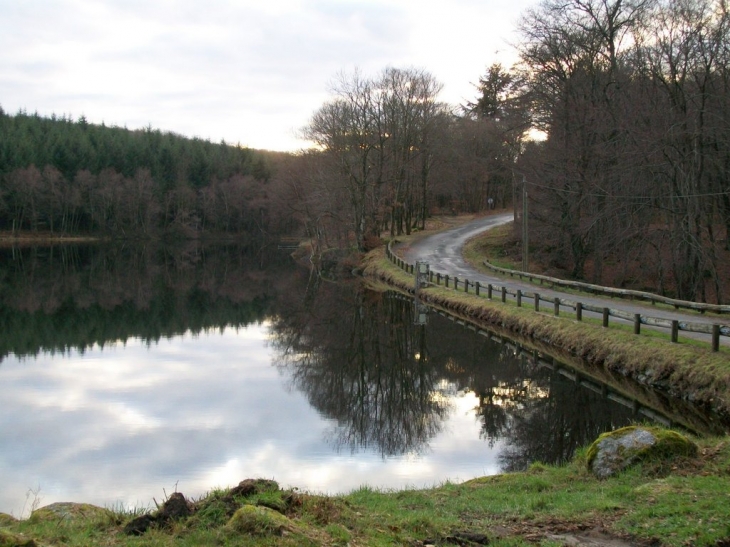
point(8, 539)
point(616, 450)
point(70, 511)
point(260, 521)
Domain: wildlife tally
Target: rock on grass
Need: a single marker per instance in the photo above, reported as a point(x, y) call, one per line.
point(614, 451)
point(69, 511)
point(259, 521)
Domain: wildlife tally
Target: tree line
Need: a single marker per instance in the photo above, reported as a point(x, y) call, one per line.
point(632, 179)
point(627, 180)
point(69, 176)
point(387, 153)
point(626, 187)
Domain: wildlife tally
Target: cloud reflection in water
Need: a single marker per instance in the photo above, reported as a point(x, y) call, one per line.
point(118, 425)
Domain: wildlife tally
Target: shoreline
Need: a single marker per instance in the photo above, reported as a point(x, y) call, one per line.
point(680, 371)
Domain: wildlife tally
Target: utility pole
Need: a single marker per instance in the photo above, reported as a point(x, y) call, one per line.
point(514, 197)
point(525, 262)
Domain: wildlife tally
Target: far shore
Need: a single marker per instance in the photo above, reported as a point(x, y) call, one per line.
point(16, 239)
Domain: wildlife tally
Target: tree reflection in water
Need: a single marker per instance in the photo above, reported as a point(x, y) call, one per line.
point(363, 363)
point(390, 384)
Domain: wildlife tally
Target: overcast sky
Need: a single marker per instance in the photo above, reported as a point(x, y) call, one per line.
point(246, 71)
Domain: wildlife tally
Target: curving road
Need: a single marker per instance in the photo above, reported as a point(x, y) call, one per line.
point(443, 252)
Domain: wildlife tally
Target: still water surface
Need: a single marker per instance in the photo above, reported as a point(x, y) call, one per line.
point(128, 374)
point(120, 424)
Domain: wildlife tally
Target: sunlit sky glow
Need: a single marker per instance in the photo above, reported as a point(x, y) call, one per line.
point(243, 71)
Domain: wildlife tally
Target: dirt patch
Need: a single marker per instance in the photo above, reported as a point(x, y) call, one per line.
point(591, 532)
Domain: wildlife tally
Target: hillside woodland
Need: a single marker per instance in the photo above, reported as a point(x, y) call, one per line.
point(612, 131)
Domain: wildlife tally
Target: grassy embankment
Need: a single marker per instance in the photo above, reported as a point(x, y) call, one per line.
point(685, 501)
point(684, 371)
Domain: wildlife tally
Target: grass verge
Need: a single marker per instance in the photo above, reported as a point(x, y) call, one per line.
point(685, 501)
point(682, 371)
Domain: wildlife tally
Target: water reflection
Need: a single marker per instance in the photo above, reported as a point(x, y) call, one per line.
point(128, 370)
point(76, 296)
point(390, 384)
point(361, 362)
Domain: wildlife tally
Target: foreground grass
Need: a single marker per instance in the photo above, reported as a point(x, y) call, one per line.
point(685, 501)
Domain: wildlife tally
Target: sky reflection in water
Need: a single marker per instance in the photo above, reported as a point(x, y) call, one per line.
point(124, 424)
point(321, 386)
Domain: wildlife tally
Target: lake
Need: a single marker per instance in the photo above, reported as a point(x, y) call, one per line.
point(131, 372)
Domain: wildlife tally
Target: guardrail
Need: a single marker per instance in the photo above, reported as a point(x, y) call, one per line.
point(502, 292)
point(611, 291)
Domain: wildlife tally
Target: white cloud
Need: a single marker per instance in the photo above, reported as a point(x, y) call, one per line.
point(244, 71)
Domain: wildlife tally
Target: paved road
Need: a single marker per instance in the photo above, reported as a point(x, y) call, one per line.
point(443, 252)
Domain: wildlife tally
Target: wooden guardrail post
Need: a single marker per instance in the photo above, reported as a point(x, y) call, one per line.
point(489, 291)
point(438, 279)
point(446, 281)
point(579, 311)
point(637, 323)
point(675, 331)
point(605, 317)
point(557, 306)
point(476, 288)
point(537, 301)
point(519, 298)
point(456, 283)
point(504, 293)
point(466, 285)
point(715, 337)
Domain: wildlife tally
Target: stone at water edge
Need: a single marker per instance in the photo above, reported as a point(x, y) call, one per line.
point(615, 451)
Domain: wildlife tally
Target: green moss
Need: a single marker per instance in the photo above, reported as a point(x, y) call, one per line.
point(69, 512)
point(6, 519)
point(669, 445)
point(259, 521)
point(8, 539)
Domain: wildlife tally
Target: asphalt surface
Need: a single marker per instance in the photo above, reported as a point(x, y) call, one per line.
point(443, 252)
